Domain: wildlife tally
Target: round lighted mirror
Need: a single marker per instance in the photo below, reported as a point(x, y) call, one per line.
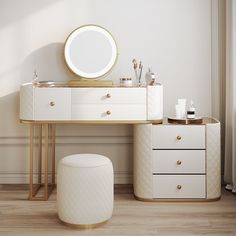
point(90, 51)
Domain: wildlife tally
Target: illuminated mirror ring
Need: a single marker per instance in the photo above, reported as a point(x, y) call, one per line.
point(90, 51)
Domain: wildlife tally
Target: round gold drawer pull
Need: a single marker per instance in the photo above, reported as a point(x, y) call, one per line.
point(108, 95)
point(52, 104)
point(179, 162)
point(108, 113)
point(178, 137)
point(179, 186)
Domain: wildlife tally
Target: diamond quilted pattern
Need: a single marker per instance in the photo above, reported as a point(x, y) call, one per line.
point(85, 195)
point(26, 102)
point(143, 180)
point(213, 160)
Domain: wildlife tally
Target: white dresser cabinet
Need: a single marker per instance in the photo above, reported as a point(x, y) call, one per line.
point(177, 161)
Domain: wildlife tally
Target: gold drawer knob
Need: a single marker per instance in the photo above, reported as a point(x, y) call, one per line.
point(178, 137)
point(108, 113)
point(179, 162)
point(108, 95)
point(179, 186)
point(52, 104)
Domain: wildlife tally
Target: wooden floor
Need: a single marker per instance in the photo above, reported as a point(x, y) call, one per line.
point(19, 216)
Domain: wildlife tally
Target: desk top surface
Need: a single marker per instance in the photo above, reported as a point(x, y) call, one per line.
point(205, 120)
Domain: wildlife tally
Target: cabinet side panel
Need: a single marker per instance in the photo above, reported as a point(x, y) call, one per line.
point(213, 161)
point(143, 179)
point(155, 102)
point(26, 102)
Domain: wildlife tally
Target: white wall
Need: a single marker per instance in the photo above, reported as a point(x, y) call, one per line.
point(171, 36)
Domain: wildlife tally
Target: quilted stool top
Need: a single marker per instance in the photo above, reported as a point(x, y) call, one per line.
point(85, 160)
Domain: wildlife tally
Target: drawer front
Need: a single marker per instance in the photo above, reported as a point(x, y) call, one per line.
point(179, 186)
point(179, 161)
point(178, 137)
point(52, 104)
point(108, 95)
point(108, 112)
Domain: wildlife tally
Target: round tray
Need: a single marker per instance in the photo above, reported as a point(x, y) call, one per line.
point(197, 120)
point(44, 84)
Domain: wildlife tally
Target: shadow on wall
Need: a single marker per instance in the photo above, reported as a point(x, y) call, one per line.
point(12, 10)
point(49, 63)
point(9, 110)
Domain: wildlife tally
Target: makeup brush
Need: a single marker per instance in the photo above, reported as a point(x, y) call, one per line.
point(135, 68)
point(140, 72)
point(135, 63)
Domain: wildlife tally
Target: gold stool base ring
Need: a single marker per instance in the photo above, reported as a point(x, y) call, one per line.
point(84, 226)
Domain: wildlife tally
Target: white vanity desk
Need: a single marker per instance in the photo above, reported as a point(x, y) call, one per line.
point(44, 107)
point(170, 161)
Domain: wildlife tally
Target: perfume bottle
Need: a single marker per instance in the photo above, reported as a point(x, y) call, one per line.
point(35, 77)
point(150, 77)
point(191, 111)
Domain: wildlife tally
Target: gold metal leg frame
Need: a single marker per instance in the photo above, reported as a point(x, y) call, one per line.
point(49, 151)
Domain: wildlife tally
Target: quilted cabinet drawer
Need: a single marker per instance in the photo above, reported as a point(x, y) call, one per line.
point(52, 104)
point(179, 186)
point(178, 137)
point(179, 161)
point(108, 95)
point(108, 112)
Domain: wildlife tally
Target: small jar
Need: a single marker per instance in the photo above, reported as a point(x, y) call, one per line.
point(191, 111)
point(126, 82)
point(191, 114)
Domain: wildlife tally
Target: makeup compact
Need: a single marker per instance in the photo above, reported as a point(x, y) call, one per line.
point(126, 82)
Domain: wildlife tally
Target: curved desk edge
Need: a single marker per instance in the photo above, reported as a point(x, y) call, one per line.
point(130, 122)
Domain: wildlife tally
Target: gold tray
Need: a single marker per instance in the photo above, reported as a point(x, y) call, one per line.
point(90, 83)
point(197, 120)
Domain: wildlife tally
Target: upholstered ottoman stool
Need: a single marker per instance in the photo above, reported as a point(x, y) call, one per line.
point(85, 190)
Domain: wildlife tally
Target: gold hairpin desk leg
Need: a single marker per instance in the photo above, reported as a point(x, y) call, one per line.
point(31, 135)
point(49, 140)
point(53, 154)
point(46, 127)
point(40, 155)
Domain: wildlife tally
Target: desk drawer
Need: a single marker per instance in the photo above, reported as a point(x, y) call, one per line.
point(178, 137)
point(179, 161)
point(108, 112)
point(179, 186)
point(52, 104)
point(108, 95)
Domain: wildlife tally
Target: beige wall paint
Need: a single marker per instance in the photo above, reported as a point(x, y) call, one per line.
point(173, 37)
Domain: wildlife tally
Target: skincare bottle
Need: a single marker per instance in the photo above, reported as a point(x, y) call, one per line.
point(178, 111)
point(182, 105)
point(191, 111)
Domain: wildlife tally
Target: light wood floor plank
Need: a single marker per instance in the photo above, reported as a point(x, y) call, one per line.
point(19, 216)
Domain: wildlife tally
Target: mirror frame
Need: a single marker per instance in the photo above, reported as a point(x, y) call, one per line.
point(79, 72)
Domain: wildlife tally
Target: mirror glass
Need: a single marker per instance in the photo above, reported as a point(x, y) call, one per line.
point(90, 51)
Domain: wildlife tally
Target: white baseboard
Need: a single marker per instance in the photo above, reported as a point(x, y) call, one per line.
point(65, 140)
point(120, 177)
